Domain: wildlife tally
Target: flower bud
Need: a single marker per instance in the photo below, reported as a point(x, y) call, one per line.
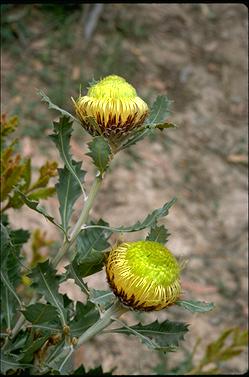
point(114, 105)
point(143, 275)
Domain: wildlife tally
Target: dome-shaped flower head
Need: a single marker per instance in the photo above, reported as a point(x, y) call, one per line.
point(143, 275)
point(114, 105)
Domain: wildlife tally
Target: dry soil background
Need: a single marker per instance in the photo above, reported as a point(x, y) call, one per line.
point(197, 54)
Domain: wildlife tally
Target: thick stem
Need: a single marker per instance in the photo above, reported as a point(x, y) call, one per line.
point(81, 221)
point(115, 311)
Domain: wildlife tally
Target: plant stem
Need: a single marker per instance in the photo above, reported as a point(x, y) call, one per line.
point(115, 311)
point(81, 221)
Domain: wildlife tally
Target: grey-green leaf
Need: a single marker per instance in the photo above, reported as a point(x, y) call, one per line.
point(61, 137)
point(63, 362)
point(90, 240)
point(86, 316)
point(51, 105)
point(74, 272)
point(100, 152)
point(36, 207)
point(11, 362)
point(27, 354)
point(68, 191)
point(102, 298)
point(44, 278)
point(150, 220)
point(40, 313)
point(159, 111)
point(158, 234)
point(196, 306)
point(163, 336)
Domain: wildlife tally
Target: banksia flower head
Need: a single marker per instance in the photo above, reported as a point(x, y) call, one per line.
point(143, 275)
point(111, 108)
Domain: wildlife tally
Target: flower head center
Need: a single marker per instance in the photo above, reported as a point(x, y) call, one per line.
point(152, 261)
point(112, 87)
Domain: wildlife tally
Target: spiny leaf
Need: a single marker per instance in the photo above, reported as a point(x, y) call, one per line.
point(100, 152)
point(89, 266)
point(9, 286)
point(40, 313)
point(90, 240)
point(36, 207)
point(46, 282)
point(86, 316)
point(11, 362)
point(159, 111)
point(195, 306)
point(158, 234)
point(163, 336)
point(61, 138)
point(137, 136)
point(63, 362)
point(102, 298)
point(12, 242)
point(74, 272)
point(163, 126)
point(150, 220)
point(51, 105)
point(28, 352)
point(68, 191)
point(92, 372)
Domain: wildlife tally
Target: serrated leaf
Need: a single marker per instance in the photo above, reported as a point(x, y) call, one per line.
point(11, 245)
point(28, 352)
point(87, 267)
point(51, 105)
point(9, 286)
point(163, 126)
point(46, 282)
point(136, 136)
point(40, 313)
point(11, 362)
point(86, 316)
point(36, 207)
point(74, 272)
point(158, 234)
point(195, 306)
point(159, 111)
point(102, 298)
point(150, 220)
point(61, 138)
point(100, 152)
point(90, 240)
point(92, 372)
point(19, 237)
point(163, 336)
point(5, 240)
point(63, 363)
point(68, 191)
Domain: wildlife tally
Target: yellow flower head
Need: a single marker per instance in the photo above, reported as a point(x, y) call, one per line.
point(143, 275)
point(114, 105)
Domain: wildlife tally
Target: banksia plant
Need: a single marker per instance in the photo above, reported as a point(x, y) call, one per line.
point(40, 336)
point(144, 275)
point(111, 108)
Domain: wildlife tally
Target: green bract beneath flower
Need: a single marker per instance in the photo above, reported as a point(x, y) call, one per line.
point(111, 108)
point(144, 275)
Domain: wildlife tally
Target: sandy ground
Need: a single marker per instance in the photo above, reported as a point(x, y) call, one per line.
point(197, 54)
